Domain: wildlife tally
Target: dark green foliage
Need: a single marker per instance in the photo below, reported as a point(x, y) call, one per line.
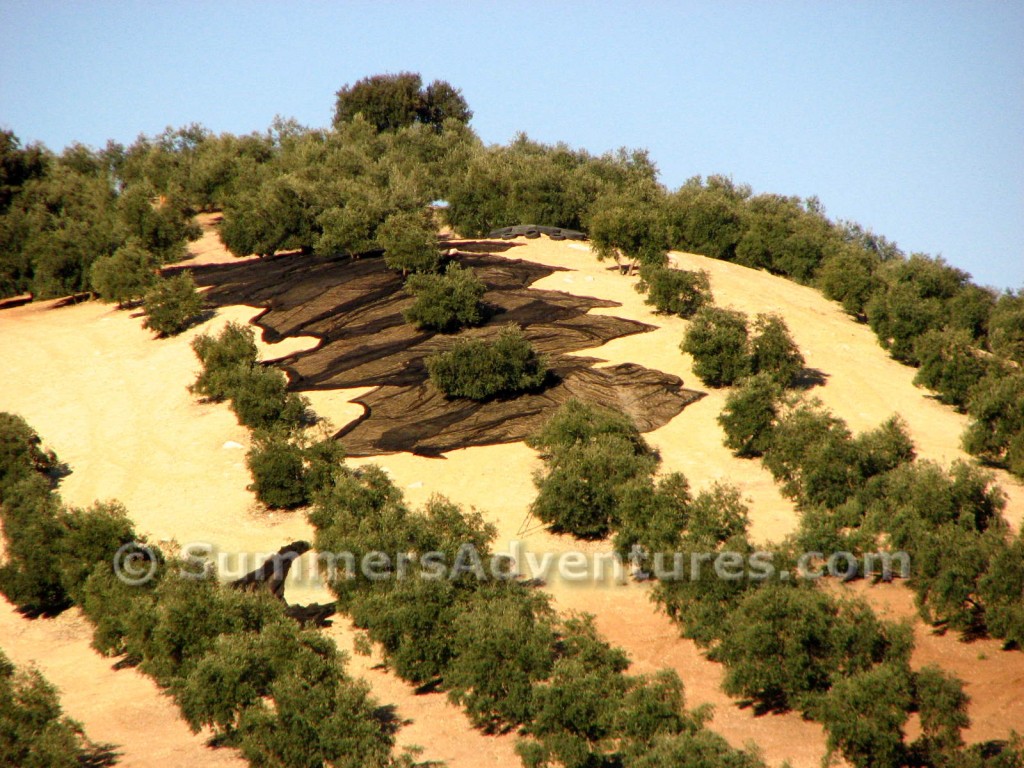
point(34, 732)
point(159, 223)
point(1001, 590)
point(864, 716)
point(942, 705)
point(785, 236)
point(818, 461)
point(32, 527)
point(409, 241)
point(18, 166)
point(584, 486)
point(1006, 327)
point(596, 463)
point(811, 453)
point(589, 713)
point(262, 401)
point(749, 415)
point(330, 720)
point(950, 365)
point(690, 591)
point(242, 668)
point(58, 215)
point(287, 471)
point(278, 471)
point(996, 432)
point(126, 275)
point(503, 645)
point(479, 369)
point(273, 213)
point(651, 516)
point(530, 183)
point(773, 351)
point(698, 749)
point(21, 454)
point(172, 305)
point(224, 359)
point(784, 645)
point(915, 297)
point(675, 291)
point(386, 101)
point(90, 537)
point(390, 102)
point(445, 302)
point(630, 225)
point(707, 217)
point(259, 394)
point(115, 608)
point(414, 621)
point(577, 421)
point(717, 340)
point(848, 277)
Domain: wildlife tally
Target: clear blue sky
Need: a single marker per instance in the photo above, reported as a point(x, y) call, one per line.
point(907, 117)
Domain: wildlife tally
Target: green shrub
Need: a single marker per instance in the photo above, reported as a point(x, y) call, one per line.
point(847, 277)
point(950, 365)
point(124, 276)
point(91, 537)
point(717, 340)
point(698, 749)
point(31, 577)
point(630, 224)
point(773, 351)
point(585, 485)
point(864, 716)
point(675, 291)
point(1006, 327)
point(226, 358)
point(409, 241)
point(577, 421)
point(504, 644)
point(259, 394)
point(278, 471)
point(172, 305)
point(996, 432)
point(445, 302)
point(478, 369)
point(783, 646)
point(262, 401)
point(749, 415)
point(597, 467)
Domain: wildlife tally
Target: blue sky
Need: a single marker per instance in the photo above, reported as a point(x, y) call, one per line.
point(907, 117)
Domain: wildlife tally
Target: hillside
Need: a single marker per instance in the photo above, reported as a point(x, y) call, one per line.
point(113, 403)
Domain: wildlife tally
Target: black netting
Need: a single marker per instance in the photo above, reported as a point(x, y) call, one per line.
point(354, 306)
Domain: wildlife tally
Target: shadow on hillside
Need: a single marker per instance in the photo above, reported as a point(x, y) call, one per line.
point(809, 378)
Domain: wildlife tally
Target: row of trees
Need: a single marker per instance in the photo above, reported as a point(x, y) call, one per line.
point(785, 644)
point(60, 214)
point(860, 493)
point(496, 645)
point(232, 660)
point(724, 353)
point(286, 464)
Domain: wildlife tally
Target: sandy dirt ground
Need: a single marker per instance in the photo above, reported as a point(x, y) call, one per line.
point(112, 401)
